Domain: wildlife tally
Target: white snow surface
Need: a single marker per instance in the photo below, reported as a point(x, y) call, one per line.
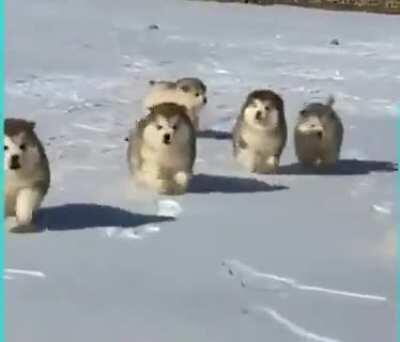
point(121, 264)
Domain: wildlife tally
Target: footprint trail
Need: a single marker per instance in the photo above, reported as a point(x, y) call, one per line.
point(10, 273)
point(292, 327)
point(253, 279)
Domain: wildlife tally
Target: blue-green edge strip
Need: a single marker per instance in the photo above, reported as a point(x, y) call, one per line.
point(2, 296)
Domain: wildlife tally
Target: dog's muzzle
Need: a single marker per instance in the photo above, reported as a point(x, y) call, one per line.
point(14, 163)
point(167, 139)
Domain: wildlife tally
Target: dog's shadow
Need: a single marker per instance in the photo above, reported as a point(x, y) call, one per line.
point(202, 183)
point(212, 134)
point(344, 167)
point(88, 215)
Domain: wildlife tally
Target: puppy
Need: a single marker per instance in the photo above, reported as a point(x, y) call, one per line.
point(188, 92)
point(318, 135)
point(162, 149)
point(27, 172)
point(260, 133)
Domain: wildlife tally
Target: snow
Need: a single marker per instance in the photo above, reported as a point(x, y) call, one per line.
point(115, 263)
point(10, 271)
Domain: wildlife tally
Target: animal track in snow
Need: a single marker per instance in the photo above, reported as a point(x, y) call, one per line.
point(11, 273)
point(222, 71)
point(292, 327)
point(253, 279)
point(385, 208)
point(90, 128)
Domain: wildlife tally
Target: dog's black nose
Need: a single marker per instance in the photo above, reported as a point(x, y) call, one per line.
point(258, 115)
point(14, 162)
point(167, 138)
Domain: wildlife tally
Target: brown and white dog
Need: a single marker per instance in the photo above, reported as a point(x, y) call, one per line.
point(27, 172)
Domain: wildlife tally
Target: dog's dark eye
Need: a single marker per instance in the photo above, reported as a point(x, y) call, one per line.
point(175, 127)
point(197, 94)
point(159, 127)
point(22, 147)
point(5, 148)
point(267, 108)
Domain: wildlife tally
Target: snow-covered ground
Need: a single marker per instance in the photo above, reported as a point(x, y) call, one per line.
point(283, 258)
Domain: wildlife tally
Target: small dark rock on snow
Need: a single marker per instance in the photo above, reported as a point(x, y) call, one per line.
point(335, 42)
point(153, 27)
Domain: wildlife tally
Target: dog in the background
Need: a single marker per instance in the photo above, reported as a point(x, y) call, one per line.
point(187, 92)
point(260, 133)
point(318, 135)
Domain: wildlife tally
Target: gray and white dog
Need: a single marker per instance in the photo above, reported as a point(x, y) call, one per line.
point(188, 92)
point(162, 149)
point(27, 172)
point(260, 133)
point(318, 134)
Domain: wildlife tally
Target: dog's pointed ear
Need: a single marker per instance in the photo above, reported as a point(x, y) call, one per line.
point(185, 88)
point(149, 111)
point(330, 101)
point(31, 125)
point(204, 87)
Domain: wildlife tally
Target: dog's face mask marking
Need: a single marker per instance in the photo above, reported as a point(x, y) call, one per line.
point(20, 153)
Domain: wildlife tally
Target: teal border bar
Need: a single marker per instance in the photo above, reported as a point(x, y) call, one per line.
point(2, 233)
